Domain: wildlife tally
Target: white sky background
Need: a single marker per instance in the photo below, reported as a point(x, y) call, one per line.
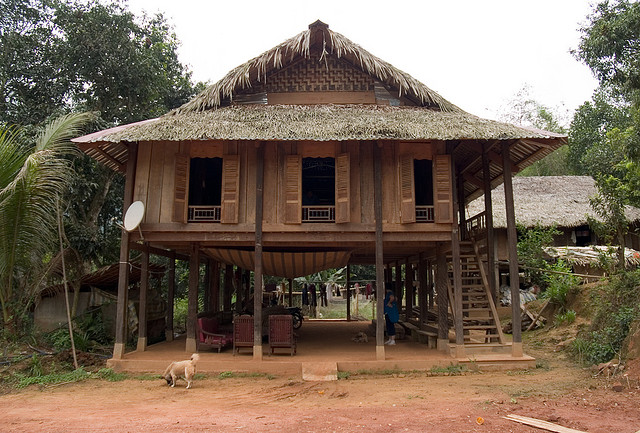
point(476, 53)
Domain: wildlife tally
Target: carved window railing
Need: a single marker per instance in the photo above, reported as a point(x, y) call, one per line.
point(318, 214)
point(204, 214)
point(425, 214)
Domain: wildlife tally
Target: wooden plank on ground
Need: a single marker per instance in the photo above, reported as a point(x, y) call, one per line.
point(545, 425)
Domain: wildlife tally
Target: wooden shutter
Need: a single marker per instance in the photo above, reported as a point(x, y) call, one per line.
point(443, 199)
point(408, 202)
point(230, 189)
point(343, 189)
point(293, 190)
point(181, 188)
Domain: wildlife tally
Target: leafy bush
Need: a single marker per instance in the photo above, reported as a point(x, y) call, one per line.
point(89, 332)
point(568, 317)
point(531, 244)
point(558, 285)
point(181, 312)
point(617, 305)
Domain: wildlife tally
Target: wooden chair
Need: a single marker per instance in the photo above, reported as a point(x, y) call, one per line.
point(242, 332)
point(209, 335)
point(281, 332)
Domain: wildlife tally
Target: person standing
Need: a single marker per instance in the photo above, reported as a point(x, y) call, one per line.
point(391, 316)
point(314, 296)
point(368, 290)
point(323, 295)
point(305, 294)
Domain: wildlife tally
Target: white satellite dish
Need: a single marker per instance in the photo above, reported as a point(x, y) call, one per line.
point(133, 216)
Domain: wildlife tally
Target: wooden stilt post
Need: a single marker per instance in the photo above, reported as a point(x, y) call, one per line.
point(488, 210)
point(257, 274)
point(512, 240)
point(123, 271)
point(443, 298)
point(430, 284)
point(398, 285)
point(228, 287)
point(348, 282)
point(171, 290)
point(457, 268)
point(408, 289)
point(192, 308)
point(380, 290)
point(142, 304)
point(291, 292)
point(422, 290)
point(207, 284)
point(215, 286)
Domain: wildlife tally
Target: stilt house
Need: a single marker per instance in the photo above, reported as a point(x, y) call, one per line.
point(317, 154)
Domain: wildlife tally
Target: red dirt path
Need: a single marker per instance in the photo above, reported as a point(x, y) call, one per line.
point(413, 402)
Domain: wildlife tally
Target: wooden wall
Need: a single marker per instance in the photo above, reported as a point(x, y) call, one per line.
point(155, 182)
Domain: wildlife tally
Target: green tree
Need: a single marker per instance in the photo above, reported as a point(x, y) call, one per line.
point(32, 179)
point(525, 110)
point(605, 140)
point(66, 55)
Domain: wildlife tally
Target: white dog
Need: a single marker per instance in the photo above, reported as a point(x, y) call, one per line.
point(186, 369)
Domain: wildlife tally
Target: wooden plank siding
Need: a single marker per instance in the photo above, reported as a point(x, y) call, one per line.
point(161, 188)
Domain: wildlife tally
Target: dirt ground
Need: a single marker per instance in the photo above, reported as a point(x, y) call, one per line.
point(557, 392)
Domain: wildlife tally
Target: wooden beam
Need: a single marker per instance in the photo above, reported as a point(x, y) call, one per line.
point(408, 289)
point(142, 304)
point(545, 425)
point(257, 273)
point(171, 290)
point(192, 303)
point(490, 239)
point(123, 271)
point(380, 289)
point(160, 252)
point(443, 298)
point(120, 165)
point(457, 268)
point(468, 177)
point(512, 240)
point(422, 290)
point(348, 283)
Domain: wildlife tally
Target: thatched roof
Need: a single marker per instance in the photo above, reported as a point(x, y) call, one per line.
point(329, 43)
point(219, 113)
point(318, 123)
point(548, 200)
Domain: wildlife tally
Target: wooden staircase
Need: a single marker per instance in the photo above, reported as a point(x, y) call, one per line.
point(479, 315)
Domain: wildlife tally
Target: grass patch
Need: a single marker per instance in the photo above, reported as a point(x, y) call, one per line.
point(344, 375)
point(452, 369)
point(110, 375)
point(22, 380)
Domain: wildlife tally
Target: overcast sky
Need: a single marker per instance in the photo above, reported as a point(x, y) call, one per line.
point(476, 53)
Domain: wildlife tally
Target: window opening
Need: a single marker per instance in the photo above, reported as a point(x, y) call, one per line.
point(318, 189)
point(423, 181)
point(205, 187)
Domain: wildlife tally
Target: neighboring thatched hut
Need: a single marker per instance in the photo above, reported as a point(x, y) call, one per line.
point(561, 201)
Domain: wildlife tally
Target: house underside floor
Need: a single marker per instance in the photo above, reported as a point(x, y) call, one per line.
point(322, 345)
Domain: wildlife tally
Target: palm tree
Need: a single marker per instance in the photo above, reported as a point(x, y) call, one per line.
point(32, 177)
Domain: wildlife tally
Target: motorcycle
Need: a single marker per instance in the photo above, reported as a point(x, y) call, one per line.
point(296, 313)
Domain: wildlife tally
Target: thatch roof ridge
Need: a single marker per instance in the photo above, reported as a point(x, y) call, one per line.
point(546, 200)
point(320, 123)
point(334, 43)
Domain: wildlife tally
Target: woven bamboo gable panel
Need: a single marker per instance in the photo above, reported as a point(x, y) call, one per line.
point(311, 75)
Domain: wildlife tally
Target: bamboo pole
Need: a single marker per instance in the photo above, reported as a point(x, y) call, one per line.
point(66, 290)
